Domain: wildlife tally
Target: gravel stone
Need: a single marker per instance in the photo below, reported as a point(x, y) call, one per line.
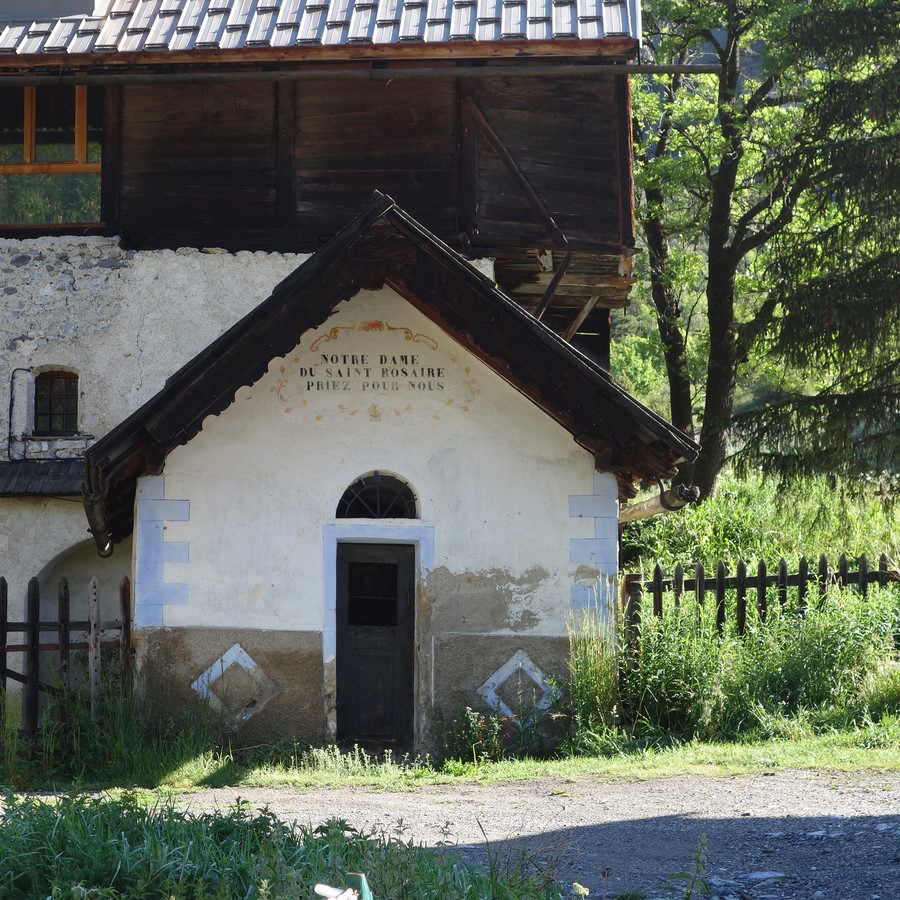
point(643, 832)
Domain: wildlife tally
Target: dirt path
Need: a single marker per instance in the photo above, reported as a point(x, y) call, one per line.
point(790, 835)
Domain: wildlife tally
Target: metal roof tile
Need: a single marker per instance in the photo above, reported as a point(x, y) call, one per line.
point(179, 25)
point(212, 28)
point(161, 33)
point(36, 37)
point(242, 13)
point(112, 32)
point(312, 26)
point(412, 20)
point(514, 20)
point(62, 34)
point(615, 17)
point(86, 36)
point(121, 8)
point(12, 35)
point(144, 14)
point(362, 25)
point(290, 12)
point(192, 14)
point(463, 20)
point(261, 28)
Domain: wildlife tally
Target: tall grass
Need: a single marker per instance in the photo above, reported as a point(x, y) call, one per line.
point(752, 518)
point(97, 847)
point(827, 666)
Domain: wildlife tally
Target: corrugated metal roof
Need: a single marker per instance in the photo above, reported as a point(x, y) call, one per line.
point(132, 26)
point(41, 478)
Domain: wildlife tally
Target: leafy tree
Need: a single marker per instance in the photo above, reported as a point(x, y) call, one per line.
point(769, 199)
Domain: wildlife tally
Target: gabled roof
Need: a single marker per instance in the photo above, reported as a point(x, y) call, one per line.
point(163, 31)
point(384, 246)
point(41, 478)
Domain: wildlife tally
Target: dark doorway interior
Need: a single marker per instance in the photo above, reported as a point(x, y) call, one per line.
point(375, 591)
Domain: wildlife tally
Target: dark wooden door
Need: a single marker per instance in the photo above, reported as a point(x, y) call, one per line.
point(375, 591)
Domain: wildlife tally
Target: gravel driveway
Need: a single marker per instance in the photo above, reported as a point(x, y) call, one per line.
point(789, 834)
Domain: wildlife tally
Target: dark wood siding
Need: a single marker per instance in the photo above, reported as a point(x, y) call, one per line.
point(198, 161)
point(562, 135)
point(284, 165)
point(399, 137)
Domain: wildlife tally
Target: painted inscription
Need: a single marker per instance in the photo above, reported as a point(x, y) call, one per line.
point(372, 373)
point(378, 374)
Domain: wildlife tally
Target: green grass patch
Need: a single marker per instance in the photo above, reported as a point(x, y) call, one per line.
point(79, 847)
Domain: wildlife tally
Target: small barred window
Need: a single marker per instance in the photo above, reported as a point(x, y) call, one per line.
point(378, 496)
point(56, 404)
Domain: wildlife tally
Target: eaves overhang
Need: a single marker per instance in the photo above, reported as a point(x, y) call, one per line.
point(385, 246)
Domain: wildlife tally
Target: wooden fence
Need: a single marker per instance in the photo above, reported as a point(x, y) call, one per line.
point(90, 630)
point(806, 581)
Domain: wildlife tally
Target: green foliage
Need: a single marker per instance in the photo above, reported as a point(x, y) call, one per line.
point(97, 847)
point(768, 196)
point(796, 672)
point(753, 518)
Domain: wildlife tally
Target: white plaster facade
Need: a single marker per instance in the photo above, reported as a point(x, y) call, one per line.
point(124, 322)
point(250, 502)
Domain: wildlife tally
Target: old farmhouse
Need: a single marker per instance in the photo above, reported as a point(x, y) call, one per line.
point(306, 329)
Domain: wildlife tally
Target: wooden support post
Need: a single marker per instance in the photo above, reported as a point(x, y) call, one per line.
point(843, 571)
point(537, 205)
point(125, 650)
point(863, 575)
point(32, 661)
point(558, 275)
point(762, 606)
point(782, 582)
point(883, 569)
point(4, 618)
point(94, 646)
point(657, 591)
point(741, 602)
point(802, 579)
point(720, 596)
point(63, 637)
point(823, 579)
point(700, 591)
point(631, 599)
point(678, 584)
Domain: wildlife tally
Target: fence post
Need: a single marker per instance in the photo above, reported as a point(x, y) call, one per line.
point(4, 618)
point(883, 569)
point(720, 596)
point(657, 587)
point(862, 577)
point(782, 582)
point(62, 641)
point(94, 646)
point(125, 635)
point(802, 579)
point(678, 582)
point(823, 579)
point(762, 605)
point(32, 661)
point(631, 589)
point(741, 604)
point(843, 569)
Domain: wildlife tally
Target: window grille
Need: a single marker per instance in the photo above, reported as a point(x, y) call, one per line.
point(56, 404)
point(378, 496)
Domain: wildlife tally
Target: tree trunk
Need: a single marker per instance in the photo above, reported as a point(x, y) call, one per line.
point(668, 319)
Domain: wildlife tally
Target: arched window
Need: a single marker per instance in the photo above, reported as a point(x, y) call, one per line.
point(378, 496)
point(56, 404)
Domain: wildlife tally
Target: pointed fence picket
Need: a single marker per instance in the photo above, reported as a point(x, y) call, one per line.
point(634, 587)
point(92, 629)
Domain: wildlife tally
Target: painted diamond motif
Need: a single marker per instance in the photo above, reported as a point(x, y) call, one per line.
point(517, 665)
point(234, 684)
